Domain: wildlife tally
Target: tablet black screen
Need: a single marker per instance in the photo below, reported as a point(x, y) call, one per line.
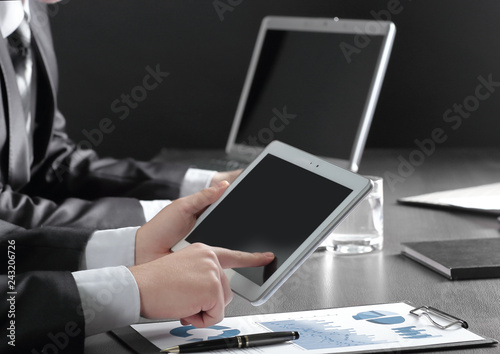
point(274, 208)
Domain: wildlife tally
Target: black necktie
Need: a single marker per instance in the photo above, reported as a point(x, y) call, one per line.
point(21, 54)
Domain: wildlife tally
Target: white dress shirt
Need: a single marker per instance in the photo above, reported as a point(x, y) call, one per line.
point(11, 15)
point(109, 293)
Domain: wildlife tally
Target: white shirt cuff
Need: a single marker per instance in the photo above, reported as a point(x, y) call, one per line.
point(110, 298)
point(109, 248)
point(196, 180)
point(153, 207)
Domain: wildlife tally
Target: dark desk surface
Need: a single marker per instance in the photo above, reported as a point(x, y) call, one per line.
point(325, 280)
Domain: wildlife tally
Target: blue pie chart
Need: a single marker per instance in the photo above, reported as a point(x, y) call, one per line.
point(194, 334)
point(380, 317)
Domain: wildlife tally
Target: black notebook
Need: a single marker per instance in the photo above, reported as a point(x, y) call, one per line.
point(458, 259)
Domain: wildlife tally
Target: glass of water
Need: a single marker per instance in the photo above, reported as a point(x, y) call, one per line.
point(362, 230)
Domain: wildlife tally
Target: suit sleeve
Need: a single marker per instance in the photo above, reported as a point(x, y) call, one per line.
point(69, 170)
point(30, 211)
point(74, 187)
point(42, 309)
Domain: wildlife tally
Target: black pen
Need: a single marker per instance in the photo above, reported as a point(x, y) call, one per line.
point(237, 342)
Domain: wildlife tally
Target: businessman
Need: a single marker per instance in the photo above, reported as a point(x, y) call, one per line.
point(44, 178)
point(65, 281)
point(50, 308)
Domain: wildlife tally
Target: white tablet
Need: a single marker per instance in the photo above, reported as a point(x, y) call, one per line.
point(287, 202)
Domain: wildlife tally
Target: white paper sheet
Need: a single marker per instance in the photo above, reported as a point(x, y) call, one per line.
point(481, 198)
point(350, 329)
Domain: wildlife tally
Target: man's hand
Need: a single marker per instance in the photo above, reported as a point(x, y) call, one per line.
point(229, 176)
point(169, 226)
point(190, 284)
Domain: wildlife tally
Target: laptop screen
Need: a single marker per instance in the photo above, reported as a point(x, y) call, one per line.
point(310, 90)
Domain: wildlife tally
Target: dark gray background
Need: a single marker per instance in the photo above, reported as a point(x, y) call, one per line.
point(104, 47)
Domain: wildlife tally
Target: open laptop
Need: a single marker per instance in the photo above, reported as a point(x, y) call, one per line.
point(313, 83)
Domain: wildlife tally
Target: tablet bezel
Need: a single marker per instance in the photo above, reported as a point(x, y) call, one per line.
point(360, 186)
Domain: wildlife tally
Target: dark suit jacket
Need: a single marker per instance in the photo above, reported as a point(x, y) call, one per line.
point(39, 294)
point(64, 185)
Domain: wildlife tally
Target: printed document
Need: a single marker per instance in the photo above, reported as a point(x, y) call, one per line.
point(350, 329)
